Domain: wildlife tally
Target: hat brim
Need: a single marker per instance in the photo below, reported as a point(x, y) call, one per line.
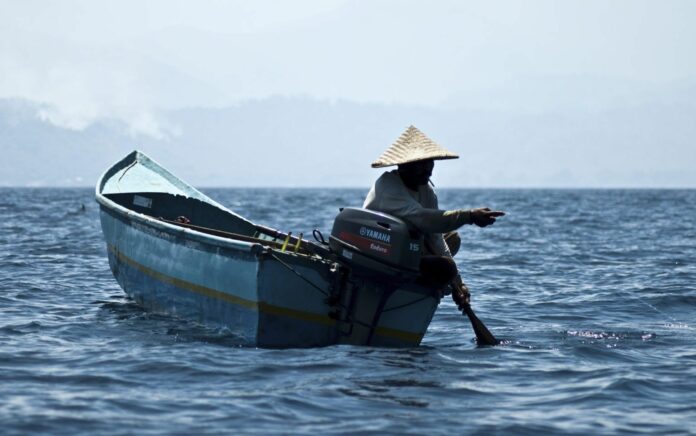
point(384, 164)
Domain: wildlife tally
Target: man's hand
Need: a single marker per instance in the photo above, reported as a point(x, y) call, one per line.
point(460, 292)
point(483, 216)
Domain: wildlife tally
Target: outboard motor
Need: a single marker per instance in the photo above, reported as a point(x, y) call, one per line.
point(376, 245)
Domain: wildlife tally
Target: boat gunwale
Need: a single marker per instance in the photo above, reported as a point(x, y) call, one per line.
point(151, 221)
point(191, 234)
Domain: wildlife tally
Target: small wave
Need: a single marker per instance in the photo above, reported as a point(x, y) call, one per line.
point(411, 383)
point(678, 325)
point(610, 336)
point(221, 336)
point(374, 394)
point(122, 309)
point(20, 329)
point(673, 300)
point(81, 380)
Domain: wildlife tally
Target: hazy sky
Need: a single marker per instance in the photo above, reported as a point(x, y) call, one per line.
point(128, 59)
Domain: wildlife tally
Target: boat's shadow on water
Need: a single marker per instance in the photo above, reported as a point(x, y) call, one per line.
point(125, 314)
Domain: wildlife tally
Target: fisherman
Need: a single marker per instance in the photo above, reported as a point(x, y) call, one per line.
point(406, 194)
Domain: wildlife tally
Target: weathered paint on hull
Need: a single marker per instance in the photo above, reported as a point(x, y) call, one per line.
point(248, 291)
point(173, 275)
point(164, 294)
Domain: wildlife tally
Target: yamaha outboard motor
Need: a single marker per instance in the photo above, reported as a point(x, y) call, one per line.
point(376, 245)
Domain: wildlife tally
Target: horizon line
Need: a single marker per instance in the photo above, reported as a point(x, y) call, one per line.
point(501, 188)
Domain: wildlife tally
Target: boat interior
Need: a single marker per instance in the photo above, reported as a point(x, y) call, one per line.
point(170, 207)
point(207, 218)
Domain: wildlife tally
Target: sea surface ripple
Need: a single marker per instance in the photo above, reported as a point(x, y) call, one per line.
point(593, 291)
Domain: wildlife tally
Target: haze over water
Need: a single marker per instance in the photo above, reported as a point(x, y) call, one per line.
point(593, 291)
point(572, 94)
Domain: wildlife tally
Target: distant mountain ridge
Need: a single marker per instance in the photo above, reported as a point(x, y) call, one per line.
point(284, 141)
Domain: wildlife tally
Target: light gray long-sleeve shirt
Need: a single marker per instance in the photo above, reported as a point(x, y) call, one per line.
point(418, 208)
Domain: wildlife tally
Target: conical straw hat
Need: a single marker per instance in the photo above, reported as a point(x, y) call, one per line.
point(412, 146)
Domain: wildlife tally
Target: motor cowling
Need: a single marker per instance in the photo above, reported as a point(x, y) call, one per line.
point(375, 243)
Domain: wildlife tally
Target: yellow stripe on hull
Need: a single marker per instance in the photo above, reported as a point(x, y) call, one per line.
point(262, 307)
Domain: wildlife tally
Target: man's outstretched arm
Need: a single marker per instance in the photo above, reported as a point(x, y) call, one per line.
point(442, 221)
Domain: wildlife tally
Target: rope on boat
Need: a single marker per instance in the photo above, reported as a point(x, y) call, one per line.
point(124, 173)
point(318, 236)
point(299, 275)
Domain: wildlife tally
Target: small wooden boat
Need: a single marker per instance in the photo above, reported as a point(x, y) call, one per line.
point(176, 251)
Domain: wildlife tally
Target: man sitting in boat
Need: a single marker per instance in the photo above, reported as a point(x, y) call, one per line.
point(406, 194)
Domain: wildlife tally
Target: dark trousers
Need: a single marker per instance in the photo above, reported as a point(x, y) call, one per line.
point(438, 271)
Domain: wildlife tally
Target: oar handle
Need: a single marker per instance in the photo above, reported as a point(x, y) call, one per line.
point(483, 335)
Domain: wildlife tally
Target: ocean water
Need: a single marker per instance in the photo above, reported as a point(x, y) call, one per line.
point(593, 292)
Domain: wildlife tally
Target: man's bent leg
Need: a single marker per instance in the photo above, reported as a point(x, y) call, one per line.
point(453, 242)
point(437, 271)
